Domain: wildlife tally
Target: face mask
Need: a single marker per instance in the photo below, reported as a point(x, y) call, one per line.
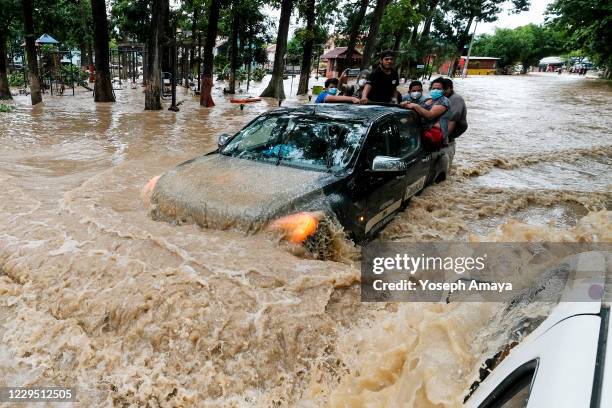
point(436, 93)
point(361, 82)
point(332, 91)
point(415, 95)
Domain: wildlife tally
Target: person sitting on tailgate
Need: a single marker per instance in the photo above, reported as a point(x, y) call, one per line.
point(330, 94)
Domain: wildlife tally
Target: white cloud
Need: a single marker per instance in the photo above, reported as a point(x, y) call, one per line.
point(535, 14)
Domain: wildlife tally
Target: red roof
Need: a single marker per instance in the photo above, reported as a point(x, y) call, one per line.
point(340, 53)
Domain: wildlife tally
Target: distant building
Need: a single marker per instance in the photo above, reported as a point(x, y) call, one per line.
point(550, 64)
point(336, 60)
point(477, 66)
point(271, 50)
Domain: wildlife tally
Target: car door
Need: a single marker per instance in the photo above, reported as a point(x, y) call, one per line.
point(410, 149)
point(384, 190)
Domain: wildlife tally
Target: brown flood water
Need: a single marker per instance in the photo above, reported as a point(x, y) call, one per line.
point(135, 312)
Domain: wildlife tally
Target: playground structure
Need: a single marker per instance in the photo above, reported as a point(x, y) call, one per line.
point(127, 64)
point(57, 72)
point(60, 72)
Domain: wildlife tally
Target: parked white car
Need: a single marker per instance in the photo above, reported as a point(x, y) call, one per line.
point(564, 362)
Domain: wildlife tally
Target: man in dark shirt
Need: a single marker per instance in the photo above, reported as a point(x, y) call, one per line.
point(382, 82)
point(457, 115)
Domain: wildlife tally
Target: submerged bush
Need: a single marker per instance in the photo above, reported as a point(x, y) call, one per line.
point(6, 108)
point(16, 79)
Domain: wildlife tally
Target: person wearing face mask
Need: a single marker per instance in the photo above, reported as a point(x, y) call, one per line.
point(355, 89)
point(435, 123)
point(415, 94)
point(330, 94)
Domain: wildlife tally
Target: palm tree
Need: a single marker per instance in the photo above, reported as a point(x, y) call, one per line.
point(275, 88)
point(28, 27)
point(103, 88)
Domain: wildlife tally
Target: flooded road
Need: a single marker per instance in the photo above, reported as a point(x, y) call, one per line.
point(131, 311)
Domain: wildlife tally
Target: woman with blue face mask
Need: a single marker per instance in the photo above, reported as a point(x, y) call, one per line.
point(330, 94)
point(434, 118)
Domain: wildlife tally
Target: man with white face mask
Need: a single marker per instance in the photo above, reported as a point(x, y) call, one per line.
point(415, 94)
point(357, 88)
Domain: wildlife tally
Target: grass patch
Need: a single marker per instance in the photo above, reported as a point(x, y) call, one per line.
point(6, 108)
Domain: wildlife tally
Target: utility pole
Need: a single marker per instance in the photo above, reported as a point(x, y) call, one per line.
point(467, 59)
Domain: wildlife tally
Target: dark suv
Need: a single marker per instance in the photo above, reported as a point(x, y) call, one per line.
point(355, 165)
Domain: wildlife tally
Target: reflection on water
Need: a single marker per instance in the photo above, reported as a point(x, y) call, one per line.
point(94, 293)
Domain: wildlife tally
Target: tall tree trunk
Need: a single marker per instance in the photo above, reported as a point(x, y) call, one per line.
point(84, 58)
point(194, 28)
point(103, 88)
point(398, 35)
point(209, 46)
point(461, 40)
point(30, 38)
point(308, 46)
point(156, 41)
point(355, 30)
point(411, 45)
point(90, 52)
point(275, 88)
point(234, 46)
point(370, 44)
point(5, 92)
point(431, 12)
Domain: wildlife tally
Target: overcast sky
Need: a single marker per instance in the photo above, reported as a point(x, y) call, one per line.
point(535, 15)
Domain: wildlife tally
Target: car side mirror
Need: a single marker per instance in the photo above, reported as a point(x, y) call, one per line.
point(388, 164)
point(223, 139)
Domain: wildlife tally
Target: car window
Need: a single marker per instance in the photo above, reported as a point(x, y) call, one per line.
point(309, 142)
point(382, 141)
point(514, 391)
point(408, 136)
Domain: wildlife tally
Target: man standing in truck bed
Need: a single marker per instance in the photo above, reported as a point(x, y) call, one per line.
point(381, 85)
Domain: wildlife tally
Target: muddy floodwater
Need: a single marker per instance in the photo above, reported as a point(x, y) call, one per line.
point(135, 312)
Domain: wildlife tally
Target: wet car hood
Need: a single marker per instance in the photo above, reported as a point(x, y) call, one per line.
point(221, 191)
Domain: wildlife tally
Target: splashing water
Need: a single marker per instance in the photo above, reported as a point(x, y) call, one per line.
point(96, 294)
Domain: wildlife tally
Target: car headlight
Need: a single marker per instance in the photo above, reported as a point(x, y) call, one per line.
point(297, 227)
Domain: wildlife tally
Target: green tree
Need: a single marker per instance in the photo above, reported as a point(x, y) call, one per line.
point(588, 24)
point(8, 13)
point(526, 45)
point(463, 14)
point(156, 41)
point(275, 88)
point(103, 88)
point(372, 39)
point(30, 39)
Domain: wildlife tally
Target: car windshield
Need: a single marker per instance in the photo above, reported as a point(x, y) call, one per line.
point(310, 142)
